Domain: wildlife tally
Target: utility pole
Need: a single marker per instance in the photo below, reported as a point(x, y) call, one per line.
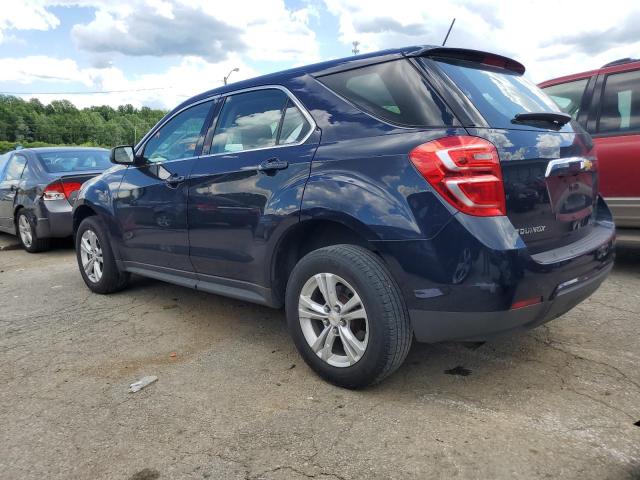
point(226, 79)
point(355, 49)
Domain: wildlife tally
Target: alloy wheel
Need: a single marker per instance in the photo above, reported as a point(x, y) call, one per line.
point(91, 256)
point(24, 227)
point(333, 320)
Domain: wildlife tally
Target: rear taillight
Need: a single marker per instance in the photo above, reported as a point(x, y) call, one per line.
point(60, 190)
point(465, 171)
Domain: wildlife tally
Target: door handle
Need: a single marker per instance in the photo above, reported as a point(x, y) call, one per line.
point(175, 180)
point(272, 164)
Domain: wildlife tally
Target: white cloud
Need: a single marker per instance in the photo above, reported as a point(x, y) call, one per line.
point(533, 32)
point(206, 38)
point(264, 30)
point(191, 76)
point(26, 70)
point(25, 15)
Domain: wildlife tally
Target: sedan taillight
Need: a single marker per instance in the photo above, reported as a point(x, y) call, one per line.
point(465, 171)
point(60, 190)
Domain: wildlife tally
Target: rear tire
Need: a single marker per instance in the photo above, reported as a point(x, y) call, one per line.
point(95, 257)
point(26, 231)
point(358, 355)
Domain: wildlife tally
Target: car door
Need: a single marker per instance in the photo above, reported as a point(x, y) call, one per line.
point(249, 183)
point(151, 205)
point(617, 140)
point(9, 183)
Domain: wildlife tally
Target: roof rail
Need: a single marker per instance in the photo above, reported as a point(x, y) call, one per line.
point(620, 62)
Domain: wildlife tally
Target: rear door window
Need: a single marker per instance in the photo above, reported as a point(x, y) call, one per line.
point(392, 91)
point(258, 119)
point(15, 167)
point(620, 111)
point(498, 94)
point(568, 96)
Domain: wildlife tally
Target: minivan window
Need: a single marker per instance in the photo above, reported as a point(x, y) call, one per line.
point(497, 93)
point(568, 96)
point(392, 91)
point(249, 120)
point(621, 103)
point(178, 138)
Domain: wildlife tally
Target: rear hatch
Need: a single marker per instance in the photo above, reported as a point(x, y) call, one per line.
point(547, 161)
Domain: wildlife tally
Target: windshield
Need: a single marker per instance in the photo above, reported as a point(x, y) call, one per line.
point(498, 95)
point(74, 161)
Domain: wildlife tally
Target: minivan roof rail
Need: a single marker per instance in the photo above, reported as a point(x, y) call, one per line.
point(620, 61)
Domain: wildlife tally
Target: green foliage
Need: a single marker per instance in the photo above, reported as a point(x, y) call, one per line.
point(61, 123)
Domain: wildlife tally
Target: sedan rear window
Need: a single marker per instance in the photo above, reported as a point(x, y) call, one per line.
point(392, 91)
point(498, 94)
point(74, 161)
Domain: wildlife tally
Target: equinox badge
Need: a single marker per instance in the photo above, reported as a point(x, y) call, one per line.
point(530, 230)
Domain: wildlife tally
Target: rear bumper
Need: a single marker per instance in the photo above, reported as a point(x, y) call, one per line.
point(462, 284)
point(54, 219)
point(434, 327)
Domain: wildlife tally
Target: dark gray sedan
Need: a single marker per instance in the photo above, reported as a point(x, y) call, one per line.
point(37, 187)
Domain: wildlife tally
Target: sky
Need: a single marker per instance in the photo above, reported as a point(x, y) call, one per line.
point(157, 53)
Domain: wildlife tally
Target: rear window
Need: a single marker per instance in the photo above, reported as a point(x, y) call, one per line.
point(392, 91)
point(497, 94)
point(74, 161)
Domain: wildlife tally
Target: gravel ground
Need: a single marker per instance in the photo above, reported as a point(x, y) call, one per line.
point(234, 400)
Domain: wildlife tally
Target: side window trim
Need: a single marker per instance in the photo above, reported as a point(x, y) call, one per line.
point(595, 106)
point(25, 166)
point(291, 98)
point(585, 102)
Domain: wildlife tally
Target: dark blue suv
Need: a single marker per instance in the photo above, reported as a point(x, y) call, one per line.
point(425, 191)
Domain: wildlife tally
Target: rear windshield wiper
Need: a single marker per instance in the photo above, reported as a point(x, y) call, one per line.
point(554, 118)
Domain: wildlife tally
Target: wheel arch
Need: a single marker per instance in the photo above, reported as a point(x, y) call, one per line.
point(307, 236)
point(80, 213)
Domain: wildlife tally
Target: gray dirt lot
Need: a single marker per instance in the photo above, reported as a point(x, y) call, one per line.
point(237, 402)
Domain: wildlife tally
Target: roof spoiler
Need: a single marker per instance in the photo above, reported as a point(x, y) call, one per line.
point(476, 56)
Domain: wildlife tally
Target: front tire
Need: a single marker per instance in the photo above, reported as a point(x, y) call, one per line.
point(347, 316)
point(96, 260)
point(26, 230)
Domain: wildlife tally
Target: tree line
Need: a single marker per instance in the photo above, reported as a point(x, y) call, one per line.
point(29, 122)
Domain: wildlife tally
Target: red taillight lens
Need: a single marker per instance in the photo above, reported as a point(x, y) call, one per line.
point(465, 171)
point(60, 190)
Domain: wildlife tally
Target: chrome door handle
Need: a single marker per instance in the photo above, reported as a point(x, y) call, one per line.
point(272, 164)
point(175, 180)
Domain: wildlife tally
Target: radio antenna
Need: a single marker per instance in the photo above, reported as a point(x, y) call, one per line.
point(448, 32)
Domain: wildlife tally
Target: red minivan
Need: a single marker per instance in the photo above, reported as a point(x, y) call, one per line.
point(606, 102)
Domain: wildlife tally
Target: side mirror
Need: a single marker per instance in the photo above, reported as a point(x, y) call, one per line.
point(123, 155)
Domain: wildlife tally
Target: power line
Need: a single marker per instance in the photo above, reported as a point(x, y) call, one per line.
point(85, 92)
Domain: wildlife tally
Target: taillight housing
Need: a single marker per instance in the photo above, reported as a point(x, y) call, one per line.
point(60, 190)
point(465, 171)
